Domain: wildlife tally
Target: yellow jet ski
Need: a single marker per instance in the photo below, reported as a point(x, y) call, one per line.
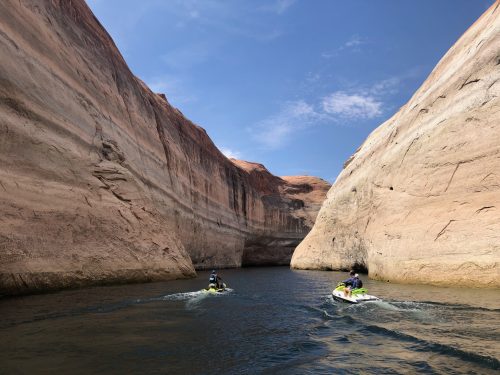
point(212, 288)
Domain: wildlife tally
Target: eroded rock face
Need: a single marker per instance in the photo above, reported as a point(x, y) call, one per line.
point(291, 201)
point(419, 201)
point(101, 180)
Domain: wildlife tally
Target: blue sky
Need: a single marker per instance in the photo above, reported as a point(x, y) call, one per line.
point(294, 84)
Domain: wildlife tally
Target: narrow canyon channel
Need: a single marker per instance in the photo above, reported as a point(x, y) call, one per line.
point(271, 320)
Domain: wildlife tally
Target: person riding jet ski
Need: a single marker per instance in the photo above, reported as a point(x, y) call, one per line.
point(215, 281)
point(353, 282)
point(352, 291)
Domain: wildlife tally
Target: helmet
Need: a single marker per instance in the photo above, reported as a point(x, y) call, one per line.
point(213, 271)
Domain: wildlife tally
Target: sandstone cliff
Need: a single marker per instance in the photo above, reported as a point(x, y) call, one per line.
point(299, 196)
point(101, 180)
point(419, 201)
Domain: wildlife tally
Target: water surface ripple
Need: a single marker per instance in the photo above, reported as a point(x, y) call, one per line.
point(271, 320)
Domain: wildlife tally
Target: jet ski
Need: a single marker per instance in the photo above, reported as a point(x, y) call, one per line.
point(357, 295)
point(213, 289)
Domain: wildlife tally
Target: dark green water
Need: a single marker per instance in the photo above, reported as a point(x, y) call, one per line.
point(274, 321)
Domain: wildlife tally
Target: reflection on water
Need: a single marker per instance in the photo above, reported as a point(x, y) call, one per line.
point(271, 320)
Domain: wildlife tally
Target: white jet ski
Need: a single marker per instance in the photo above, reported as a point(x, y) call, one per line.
point(357, 295)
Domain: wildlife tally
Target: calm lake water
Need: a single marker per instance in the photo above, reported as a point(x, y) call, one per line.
point(273, 321)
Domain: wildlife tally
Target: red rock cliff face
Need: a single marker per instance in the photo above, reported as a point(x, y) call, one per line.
point(102, 180)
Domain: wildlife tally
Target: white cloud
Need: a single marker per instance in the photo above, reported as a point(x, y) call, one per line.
point(352, 106)
point(299, 109)
point(356, 102)
point(230, 154)
point(354, 41)
point(387, 86)
point(276, 130)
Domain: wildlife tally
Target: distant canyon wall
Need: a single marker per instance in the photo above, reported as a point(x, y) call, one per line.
point(419, 201)
point(103, 181)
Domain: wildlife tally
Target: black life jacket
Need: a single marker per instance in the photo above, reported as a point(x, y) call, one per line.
point(213, 278)
point(360, 283)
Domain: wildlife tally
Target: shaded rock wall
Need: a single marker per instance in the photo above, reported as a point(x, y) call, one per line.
point(103, 181)
point(293, 200)
point(419, 201)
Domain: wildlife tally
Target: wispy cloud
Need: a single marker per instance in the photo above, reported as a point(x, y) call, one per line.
point(231, 18)
point(355, 103)
point(278, 6)
point(230, 154)
point(172, 87)
point(354, 41)
point(351, 106)
point(353, 44)
point(276, 130)
point(387, 86)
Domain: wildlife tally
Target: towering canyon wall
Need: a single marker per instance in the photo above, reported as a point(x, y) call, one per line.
point(101, 180)
point(419, 201)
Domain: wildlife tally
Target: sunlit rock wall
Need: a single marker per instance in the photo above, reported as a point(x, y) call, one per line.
point(419, 201)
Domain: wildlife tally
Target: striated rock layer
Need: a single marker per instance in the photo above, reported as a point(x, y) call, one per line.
point(103, 181)
point(299, 197)
point(419, 201)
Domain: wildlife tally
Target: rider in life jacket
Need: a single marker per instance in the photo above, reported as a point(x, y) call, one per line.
point(353, 282)
point(214, 281)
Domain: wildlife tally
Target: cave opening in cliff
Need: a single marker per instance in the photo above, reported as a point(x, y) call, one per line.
point(359, 267)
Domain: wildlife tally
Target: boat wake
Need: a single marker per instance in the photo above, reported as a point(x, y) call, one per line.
point(425, 345)
point(193, 298)
point(183, 296)
point(405, 322)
